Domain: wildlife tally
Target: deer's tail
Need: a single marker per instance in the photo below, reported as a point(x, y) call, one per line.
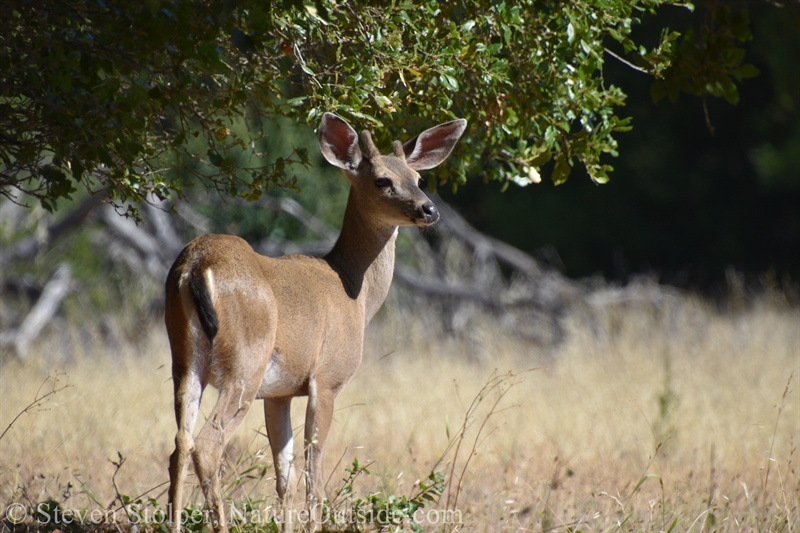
point(203, 303)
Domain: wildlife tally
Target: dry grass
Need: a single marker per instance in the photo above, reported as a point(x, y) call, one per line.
point(565, 448)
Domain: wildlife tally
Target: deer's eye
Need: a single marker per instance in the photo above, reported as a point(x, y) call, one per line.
point(423, 183)
point(383, 182)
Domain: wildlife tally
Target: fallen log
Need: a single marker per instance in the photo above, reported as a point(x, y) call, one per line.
point(17, 341)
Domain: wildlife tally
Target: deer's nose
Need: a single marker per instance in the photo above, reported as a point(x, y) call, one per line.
point(430, 213)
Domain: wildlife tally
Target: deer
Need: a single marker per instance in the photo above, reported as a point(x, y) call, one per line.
point(256, 327)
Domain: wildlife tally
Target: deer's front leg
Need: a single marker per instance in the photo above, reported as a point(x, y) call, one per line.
point(319, 414)
point(277, 412)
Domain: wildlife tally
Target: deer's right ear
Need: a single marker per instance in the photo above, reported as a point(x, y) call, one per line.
point(338, 142)
point(432, 146)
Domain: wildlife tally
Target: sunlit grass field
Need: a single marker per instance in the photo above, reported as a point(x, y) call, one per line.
point(643, 419)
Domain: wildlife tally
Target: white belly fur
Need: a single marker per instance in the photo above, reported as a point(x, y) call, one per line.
point(277, 381)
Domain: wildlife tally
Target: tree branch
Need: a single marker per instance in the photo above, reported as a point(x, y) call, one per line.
point(28, 248)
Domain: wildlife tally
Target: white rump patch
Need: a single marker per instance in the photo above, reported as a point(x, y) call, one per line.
point(212, 290)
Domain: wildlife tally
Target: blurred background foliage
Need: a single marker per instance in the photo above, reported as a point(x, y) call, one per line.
point(687, 201)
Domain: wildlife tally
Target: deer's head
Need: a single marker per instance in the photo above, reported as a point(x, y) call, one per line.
point(387, 186)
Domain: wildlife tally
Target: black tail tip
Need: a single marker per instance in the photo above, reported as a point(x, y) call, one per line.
point(203, 304)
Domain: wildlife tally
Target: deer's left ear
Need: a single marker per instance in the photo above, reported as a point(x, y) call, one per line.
point(431, 147)
point(338, 142)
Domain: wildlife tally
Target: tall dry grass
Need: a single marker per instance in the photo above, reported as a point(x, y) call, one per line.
point(682, 394)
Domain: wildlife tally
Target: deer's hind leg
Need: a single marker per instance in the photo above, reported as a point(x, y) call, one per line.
point(232, 406)
point(239, 362)
point(236, 396)
point(187, 349)
point(188, 392)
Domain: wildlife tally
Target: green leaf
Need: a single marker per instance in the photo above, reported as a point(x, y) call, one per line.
point(541, 159)
point(105, 156)
point(76, 165)
point(367, 118)
point(382, 101)
point(448, 81)
point(215, 158)
point(729, 91)
point(561, 170)
point(746, 71)
point(550, 136)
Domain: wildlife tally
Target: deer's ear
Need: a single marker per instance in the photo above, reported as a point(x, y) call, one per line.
point(338, 142)
point(431, 147)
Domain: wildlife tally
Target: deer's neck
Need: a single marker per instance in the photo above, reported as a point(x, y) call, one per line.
point(363, 256)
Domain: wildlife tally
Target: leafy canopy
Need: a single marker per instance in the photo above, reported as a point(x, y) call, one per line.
point(134, 98)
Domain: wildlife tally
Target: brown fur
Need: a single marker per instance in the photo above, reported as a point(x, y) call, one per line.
point(263, 328)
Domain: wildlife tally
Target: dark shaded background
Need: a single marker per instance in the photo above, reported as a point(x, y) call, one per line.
point(683, 203)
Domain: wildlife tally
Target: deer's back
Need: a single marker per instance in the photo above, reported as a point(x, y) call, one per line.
point(297, 300)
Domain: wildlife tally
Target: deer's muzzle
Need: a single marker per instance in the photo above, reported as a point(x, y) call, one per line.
point(427, 214)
